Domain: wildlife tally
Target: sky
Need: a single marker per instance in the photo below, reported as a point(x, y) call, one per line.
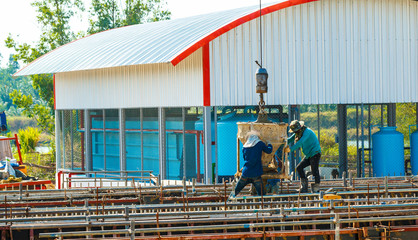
point(18, 17)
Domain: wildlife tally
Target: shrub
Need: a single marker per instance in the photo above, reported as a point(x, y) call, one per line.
point(29, 138)
point(15, 123)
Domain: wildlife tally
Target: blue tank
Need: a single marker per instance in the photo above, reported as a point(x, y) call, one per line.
point(227, 142)
point(388, 153)
point(414, 152)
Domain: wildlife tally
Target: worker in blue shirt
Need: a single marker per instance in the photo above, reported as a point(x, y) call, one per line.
point(3, 122)
point(308, 141)
point(253, 169)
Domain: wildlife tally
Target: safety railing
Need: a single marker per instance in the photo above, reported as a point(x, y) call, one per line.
point(104, 179)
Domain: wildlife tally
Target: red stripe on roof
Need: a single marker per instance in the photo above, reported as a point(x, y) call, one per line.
point(235, 24)
point(55, 99)
point(206, 75)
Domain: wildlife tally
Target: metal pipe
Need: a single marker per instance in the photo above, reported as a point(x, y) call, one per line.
point(228, 226)
point(189, 228)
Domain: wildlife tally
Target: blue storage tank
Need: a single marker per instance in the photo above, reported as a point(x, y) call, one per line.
point(414, 152)
point(227, 142)
point(227, 139)
point(388, 153)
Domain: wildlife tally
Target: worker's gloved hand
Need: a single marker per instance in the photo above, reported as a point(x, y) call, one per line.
point(287, 150)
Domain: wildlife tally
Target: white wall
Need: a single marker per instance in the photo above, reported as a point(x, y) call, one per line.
point(151, 85)
point(329, 51)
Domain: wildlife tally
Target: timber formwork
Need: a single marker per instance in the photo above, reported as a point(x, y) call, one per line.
point(369, 208)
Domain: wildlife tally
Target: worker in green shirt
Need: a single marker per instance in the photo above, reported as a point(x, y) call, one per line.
point(308, 141)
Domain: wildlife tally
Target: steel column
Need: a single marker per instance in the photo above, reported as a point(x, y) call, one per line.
point(58, 156)
point(362, 140)
point(207, 125)
point(162, 142)
point(104, 140)
point(342, 138)
point(72, 139)
point(392, 114)
point(63, 137)
point(122, 140)
point(294, 157)
point(358, 157)
point(319, 122)
point(87, 130)
point(141, 119)
point(215, 116)
point(183, 118)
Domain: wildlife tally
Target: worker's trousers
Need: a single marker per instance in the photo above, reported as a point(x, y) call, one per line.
point(244, 181)
point(314, 163)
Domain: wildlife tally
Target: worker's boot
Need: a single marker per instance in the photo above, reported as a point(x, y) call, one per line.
point(315, 187)
point(303, 185)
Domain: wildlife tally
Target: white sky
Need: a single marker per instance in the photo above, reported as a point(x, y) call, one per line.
point(18, 17)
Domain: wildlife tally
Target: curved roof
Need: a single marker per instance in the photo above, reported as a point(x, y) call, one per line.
point(158, 42)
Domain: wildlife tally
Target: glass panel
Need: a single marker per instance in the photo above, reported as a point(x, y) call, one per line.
point(194, 147)
point(60, 144)
point(133, 139)
point(174, 143)
point(97, 140)
point(66, 123)
point(112, 140)
point(77, 140)
point(151, 145)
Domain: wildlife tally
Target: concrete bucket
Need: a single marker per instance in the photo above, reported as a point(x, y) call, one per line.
point(276, 135)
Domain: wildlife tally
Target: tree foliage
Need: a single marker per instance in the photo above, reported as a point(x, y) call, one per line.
point(108, 14)
point(53, 18)
point(8, 85)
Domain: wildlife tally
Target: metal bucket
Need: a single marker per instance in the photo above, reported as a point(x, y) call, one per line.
point(276, 135)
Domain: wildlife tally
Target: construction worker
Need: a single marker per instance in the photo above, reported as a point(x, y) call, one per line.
point(308, 141)
point(3, 122)
point(253, 168)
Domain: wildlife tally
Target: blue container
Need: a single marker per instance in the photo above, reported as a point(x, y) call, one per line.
point(388, 153)
point(414, 152)
point(227, 142)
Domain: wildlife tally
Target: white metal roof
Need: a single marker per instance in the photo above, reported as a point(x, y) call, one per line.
point(158, 42)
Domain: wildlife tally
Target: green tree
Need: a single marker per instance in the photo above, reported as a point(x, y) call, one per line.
point(53, 17)
point(105, 15)
point(406, 114)
point(108, 14)
point(8, 85)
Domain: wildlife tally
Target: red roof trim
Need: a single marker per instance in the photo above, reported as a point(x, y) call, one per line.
point(234, 24)
point(206, 75)
point(55, 99)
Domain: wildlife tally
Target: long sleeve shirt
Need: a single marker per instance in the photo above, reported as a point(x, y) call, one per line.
point(252, 159)
point(308, 142)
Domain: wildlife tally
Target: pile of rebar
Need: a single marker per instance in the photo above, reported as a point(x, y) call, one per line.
point(357, 209)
